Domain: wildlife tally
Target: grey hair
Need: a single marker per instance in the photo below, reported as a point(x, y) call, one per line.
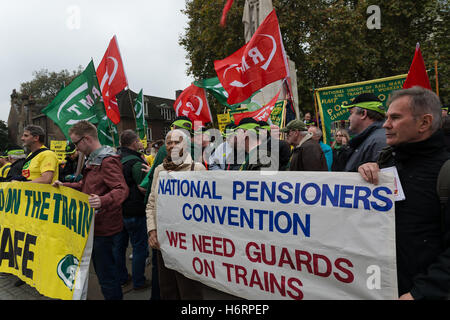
point(36, 131)
point(421, 101)
point(317, 131)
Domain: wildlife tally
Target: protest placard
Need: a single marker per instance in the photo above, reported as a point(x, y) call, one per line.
point(46, 237)
point(289, 235)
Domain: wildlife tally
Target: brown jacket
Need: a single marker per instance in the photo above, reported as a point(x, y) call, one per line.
point(107, 181)
point(308, 156)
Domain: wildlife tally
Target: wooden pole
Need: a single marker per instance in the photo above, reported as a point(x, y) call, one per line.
point(437, 79)
point(132, 107)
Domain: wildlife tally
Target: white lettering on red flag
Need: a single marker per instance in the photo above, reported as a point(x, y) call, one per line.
point(193, 104)
point(260, 62)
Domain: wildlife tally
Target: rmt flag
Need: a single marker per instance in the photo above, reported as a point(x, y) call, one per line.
point(260, 62)
point(112, 79)
point(192, 103)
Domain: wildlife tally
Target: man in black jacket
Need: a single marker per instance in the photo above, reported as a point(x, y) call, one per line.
point(417, 150)
point(133, 209)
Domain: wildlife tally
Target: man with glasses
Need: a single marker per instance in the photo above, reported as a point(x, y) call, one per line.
point(105, 184)
point(307, 154)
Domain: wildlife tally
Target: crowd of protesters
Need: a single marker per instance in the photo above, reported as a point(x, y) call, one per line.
point(411, 133)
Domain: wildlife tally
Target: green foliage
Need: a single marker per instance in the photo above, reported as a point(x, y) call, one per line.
point(4, 142)
point(45, 85)
point(329, 40)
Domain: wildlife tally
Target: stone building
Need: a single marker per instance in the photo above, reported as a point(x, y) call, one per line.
point(159, 113)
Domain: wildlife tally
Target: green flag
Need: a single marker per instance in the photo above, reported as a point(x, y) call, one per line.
point(141, 124)
point(80, 100)
point(214, 86)
point(107, 132)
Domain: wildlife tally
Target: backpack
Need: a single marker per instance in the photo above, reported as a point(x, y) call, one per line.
point(443, 190)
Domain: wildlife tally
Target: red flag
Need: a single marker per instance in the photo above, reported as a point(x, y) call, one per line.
point(193, 104)
point(260, 62)
point(112, 79)
point(261, 114)
point(417, 75)
point(225, 10)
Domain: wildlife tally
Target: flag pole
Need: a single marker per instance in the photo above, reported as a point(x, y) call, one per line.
point(111, 132)
point(437, 79)
point(132, 105)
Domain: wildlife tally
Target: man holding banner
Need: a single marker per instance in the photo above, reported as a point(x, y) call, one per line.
point(417, 151)
point(103, 181)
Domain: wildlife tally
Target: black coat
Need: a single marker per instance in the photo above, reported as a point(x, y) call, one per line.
point(134, 205)
point(423, 254)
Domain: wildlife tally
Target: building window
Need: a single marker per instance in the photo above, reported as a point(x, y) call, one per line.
point(167, 114)
point(149, 134)
point(166, 130)
point(146, 108)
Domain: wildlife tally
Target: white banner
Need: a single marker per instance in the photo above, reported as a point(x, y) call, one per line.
point(284, 235)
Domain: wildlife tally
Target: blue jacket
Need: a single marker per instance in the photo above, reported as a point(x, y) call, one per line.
point(366, 146)
point(328, 154)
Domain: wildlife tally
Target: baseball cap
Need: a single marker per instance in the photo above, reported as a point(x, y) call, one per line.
point(367, 101)
point(182, 123)
point(15, 151)
point(248, 124)
point(295, 124)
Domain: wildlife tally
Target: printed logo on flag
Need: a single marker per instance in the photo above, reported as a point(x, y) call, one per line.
point(66, 270)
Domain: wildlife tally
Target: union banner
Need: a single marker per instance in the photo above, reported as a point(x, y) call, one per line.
point(46, 237)
point(330, 100)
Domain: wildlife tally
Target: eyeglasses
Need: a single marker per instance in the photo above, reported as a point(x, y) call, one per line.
point(339, 135)
point(76, 143)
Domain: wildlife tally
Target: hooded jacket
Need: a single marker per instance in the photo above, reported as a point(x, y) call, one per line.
point(103, 176)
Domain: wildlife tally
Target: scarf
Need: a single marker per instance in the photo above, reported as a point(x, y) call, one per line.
point(169, 165)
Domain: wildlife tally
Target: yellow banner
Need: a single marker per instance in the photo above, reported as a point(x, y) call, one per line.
point(59, 147)
point(43, 235)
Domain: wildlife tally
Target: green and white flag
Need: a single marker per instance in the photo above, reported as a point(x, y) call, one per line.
point(214, 86)
point(141, 124)
point(107, 132)
point(80, 100)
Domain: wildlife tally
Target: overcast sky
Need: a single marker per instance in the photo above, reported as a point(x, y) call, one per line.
point(62, 34)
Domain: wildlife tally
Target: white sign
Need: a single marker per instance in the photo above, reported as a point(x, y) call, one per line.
point(289, 235)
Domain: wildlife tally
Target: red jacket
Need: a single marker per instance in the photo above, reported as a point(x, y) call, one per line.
point(107, 181)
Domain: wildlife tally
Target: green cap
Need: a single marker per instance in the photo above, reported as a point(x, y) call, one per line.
point(182, 124)
point(15, 152)
point(295, 124)
point(369, 105)
point(248, 126)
